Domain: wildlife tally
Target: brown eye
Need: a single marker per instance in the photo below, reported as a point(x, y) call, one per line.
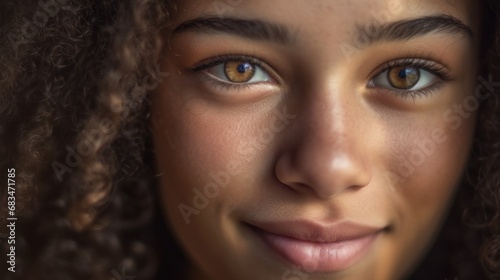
point(403, 77)
point(239, 71)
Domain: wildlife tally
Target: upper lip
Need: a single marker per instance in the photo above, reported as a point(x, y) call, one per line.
point(313, 231)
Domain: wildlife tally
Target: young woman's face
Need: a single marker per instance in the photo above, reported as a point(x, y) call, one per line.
point(314, 140)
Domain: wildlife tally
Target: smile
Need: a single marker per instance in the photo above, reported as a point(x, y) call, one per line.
point(318, 248)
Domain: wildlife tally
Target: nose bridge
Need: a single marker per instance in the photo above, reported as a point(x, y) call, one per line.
point(327, 118)
point(331, 118)
point(333, 129)
point(327, 155)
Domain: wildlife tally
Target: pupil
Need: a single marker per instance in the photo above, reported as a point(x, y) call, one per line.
point(243, 67)
point(403, 73)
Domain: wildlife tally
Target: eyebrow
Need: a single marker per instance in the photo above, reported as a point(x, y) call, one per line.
point(409, 29)
point(252, 29)
point(265, 31)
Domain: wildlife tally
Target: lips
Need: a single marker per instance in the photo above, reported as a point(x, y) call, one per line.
point(318, 247)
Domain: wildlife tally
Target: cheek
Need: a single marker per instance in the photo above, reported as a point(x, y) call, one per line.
point(208, 149)
point(424, 158)
point(427, 159)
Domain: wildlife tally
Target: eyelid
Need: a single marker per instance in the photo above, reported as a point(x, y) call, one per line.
point(428, 64)
point(425, 77)
point(439, 70)
point(216, 60)
point(231, 91)
point(221, 59)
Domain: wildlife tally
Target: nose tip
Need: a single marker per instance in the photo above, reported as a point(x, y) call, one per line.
point(324, 172)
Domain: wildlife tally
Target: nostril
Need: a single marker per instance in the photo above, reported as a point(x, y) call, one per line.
point(322, 171)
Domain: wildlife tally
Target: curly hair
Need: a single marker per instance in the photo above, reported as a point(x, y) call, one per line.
point(74, 125)
point(74, 81)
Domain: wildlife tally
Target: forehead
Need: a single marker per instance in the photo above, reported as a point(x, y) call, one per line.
point(331, 15)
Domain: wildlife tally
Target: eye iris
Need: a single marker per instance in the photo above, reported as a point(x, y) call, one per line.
point(403, 77)
point(239, 71)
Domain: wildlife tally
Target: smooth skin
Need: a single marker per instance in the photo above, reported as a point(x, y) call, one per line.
point(320, 134)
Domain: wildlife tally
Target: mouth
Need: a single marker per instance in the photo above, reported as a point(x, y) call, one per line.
point(318, 247)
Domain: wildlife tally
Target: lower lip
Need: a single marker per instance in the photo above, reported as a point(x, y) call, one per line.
point(319, 257)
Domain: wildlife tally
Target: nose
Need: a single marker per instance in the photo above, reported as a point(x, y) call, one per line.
point(327, 151)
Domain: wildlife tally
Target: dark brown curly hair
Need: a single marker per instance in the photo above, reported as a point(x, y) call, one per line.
point(74, 125)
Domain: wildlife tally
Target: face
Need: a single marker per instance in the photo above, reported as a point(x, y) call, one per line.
point(319, 140)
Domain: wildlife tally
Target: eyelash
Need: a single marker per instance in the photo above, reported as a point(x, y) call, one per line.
point(422, 63)
point(216, 60)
